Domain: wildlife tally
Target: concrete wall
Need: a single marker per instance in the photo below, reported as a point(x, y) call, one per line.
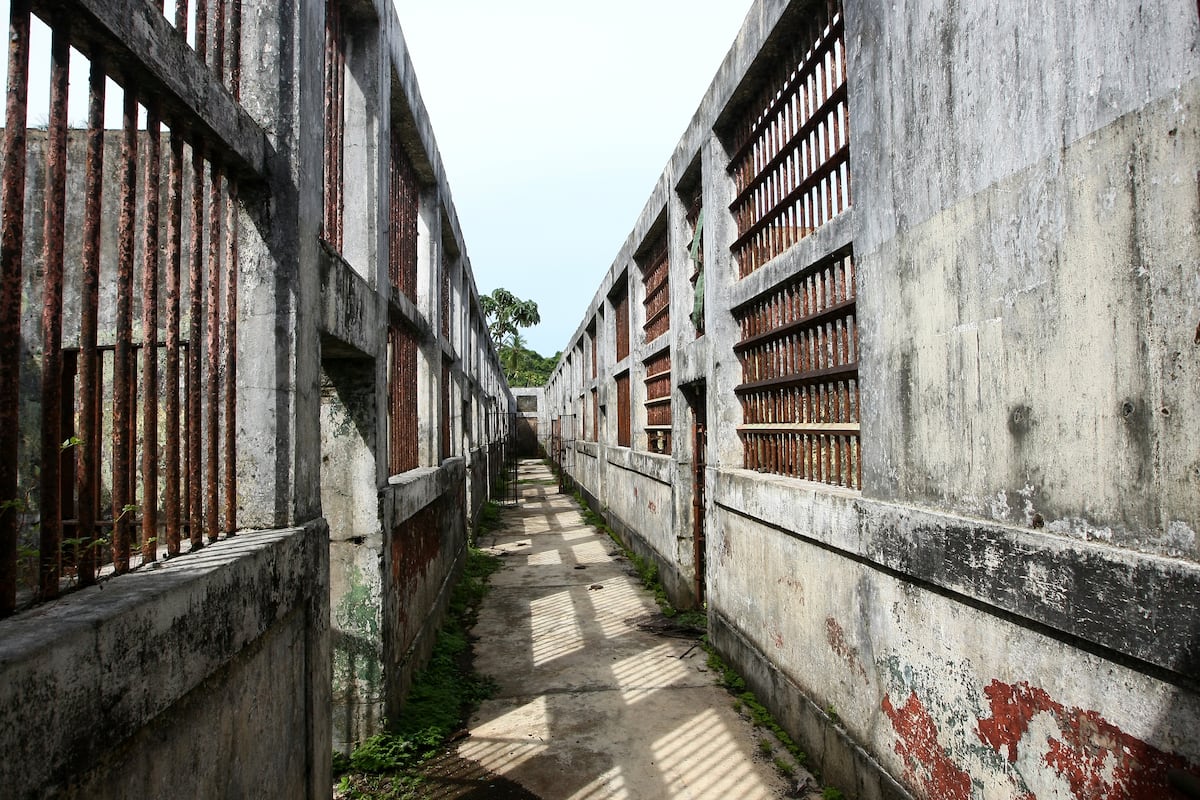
point(1009, 606)
point(390, 576)
point(234, 671)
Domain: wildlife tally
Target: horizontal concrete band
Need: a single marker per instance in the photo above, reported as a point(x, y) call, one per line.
point(154, 58)
point(81, 675)
point(408, 493)
point(656, 467)
point(844, 762)
point(1130, 604)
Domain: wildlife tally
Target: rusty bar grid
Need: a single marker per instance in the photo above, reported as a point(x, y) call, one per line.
point(90, 383)
point(212, 349)
point(658, 403)
point(402, 401)
point(656, 280)
point(54, 220)
point(791, 154)
point(150, 387)
point(404, 207)
point(229, 478)
point(800, 390)
point(621, 321)
point(126, 390)
point(171, 436)
point(624, 411)
point(12, 245)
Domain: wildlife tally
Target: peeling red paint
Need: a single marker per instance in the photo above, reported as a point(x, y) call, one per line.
point(837, 642)
point(653, 508)
point(1098, 759)
point(777, 638)
point(927, 766)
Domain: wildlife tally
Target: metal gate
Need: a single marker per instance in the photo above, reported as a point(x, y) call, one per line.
point(562, 451)
point(509, 493)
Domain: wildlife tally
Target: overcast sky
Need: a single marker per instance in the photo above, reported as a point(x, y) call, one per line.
point(554, 119)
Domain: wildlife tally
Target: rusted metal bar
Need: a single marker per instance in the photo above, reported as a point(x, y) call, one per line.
point(53, 233)
point(195, 352)
point(150, 223)
point(212, 349)
point(202, 29)
point(123, 376)
point(12, 245)
point(218, 59)
point(67, 475)
point(235, 48)
point(229, 487)
point(171, 369)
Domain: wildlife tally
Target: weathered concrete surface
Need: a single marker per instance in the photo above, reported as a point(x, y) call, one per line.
point(216, 664)
point(1009, 607)
point(589, 705)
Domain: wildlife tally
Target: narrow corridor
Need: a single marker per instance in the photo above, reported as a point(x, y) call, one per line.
point(590, 705)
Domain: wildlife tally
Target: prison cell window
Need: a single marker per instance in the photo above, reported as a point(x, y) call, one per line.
point(791, 159)
point(800, 390)
point(624, 411)
point(658, 403)
point(402, 231)
point(135, 415)
point(656, 280)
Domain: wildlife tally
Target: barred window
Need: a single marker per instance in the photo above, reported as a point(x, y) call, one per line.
point(800, 390)
point(791, 161)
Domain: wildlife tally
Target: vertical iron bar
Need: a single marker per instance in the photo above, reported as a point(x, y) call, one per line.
point(123, 356)
point(54, 225)
point(235, 48)
point(212, 349)
point(12, 246)
point(150, 386)
point(231, 315)
point(195, 350)
point(171, 378)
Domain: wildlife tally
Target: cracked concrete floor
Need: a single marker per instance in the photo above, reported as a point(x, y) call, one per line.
point(589, 705)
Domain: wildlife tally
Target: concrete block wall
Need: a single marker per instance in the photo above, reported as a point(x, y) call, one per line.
point(301, 633)
point(1009, 606)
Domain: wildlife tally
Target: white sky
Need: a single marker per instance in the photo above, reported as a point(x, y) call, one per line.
point(554, 119)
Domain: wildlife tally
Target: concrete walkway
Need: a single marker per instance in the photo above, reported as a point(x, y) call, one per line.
point(590, 705)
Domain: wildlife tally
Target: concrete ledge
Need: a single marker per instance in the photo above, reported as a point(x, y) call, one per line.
point(587, 448)
point(137, 38)
point(650, 465)
point(83, 674)
point(408, 493)
point(829, 238)
point(349, 306)
point(843, 763)
point(1129, 604)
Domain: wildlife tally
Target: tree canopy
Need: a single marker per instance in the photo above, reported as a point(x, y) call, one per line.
point(507, 314)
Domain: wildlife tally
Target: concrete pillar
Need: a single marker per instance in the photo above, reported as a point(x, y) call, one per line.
point(429, 355)
point(278, 345)
point(720, 274)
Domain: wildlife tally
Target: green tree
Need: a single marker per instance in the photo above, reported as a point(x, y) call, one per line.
point(506, 315)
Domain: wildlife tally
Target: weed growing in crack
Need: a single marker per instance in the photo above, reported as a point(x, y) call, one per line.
point(387, 765)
